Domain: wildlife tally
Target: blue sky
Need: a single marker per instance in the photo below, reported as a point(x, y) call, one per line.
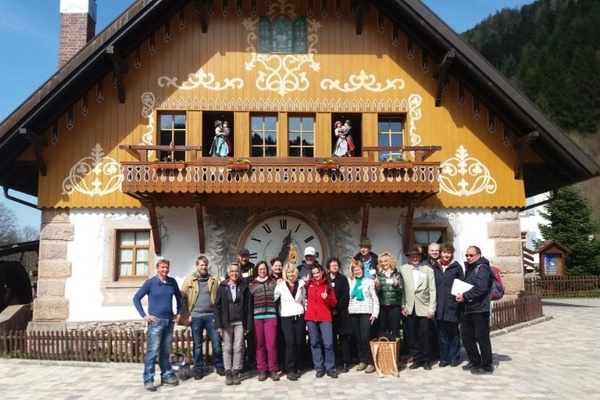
point(29, 48)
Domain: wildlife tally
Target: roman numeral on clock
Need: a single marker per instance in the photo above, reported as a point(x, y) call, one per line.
point(256, 240)
point(309, 239)
point(252, 256)
point(267, 228)
point(283, 224)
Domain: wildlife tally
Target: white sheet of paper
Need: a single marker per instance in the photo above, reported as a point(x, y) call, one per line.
point(459, 286)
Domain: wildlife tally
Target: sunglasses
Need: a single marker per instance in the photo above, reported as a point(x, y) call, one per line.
point(470, 255)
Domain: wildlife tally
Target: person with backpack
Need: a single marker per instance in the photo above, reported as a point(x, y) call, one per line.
point(475, 326)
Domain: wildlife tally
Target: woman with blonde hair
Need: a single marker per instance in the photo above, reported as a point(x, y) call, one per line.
point(390, 289)
point(291, 295)
point(364, 310)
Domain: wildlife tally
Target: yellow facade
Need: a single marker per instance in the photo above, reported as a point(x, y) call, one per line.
point(370, 75)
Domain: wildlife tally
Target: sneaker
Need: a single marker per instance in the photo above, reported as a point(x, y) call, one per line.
point(291, 376)
point(443, 364)
point(320, 374)
point(228, 378)
point(370, 369)
point(198, 376)
point(332, 374)
point(262, 376)
point(150, 386)
point(455, 363)
point(171, 381)
point(237, 379)
point(220, 371)
point(274, 376)
point(345, 368)
point(361, 366)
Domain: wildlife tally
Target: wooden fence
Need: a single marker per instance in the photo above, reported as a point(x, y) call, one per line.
point(527, 307)
point(129, 346)
point(564, 286)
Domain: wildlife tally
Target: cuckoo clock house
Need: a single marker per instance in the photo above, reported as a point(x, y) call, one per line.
point(204, 126)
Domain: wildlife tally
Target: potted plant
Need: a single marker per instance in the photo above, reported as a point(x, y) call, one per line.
point(166, 163)
point(397, 162)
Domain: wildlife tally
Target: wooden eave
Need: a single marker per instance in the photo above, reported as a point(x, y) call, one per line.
point(564, 163)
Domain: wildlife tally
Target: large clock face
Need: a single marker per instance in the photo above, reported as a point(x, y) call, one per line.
point(273, 236)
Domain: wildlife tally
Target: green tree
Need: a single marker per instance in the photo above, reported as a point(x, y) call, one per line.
point(570, 217)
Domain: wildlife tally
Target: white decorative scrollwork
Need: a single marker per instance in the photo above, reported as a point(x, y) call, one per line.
point(148, 103)
point(85, 176)
point(203, 79)
point(414, 106)
point(362, 81)
point(465, 176)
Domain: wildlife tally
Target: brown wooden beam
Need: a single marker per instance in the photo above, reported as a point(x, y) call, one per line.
point(36, 142)
point(200, 223)
point(441, 73)
point(364, 229)
point(202, 7)
point(408, 226)
point(523, 145)
point(361, 10)
point(151, 206)
point(120, 68)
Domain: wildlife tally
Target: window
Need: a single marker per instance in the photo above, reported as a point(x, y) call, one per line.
point(264, 135)
point(133, 253)
point(282, 35)
point(301, 136)
point(425, 236)
point(172, 132)
point(390, 133)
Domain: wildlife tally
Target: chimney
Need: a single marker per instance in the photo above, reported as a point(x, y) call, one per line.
point(77, 27)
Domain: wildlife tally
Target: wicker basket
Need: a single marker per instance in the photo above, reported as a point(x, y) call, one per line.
point(385, 356)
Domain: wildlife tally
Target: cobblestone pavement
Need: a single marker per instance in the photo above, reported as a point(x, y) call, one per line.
point(555, 358)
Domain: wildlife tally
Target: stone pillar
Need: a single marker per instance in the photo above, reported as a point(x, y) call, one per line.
point(505, 231)
point(50, 307)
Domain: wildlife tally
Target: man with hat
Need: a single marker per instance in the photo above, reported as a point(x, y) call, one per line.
point(367, 257)
point(310, 260)
point(246, 267)
point(419, 307)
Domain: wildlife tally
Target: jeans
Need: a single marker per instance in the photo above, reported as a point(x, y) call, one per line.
point(361, 324)
point(449, 341)
point(233, 346)
point(321, 332)
point(159, 338)
point(199, 324)
point(265, 331)
point(475, 330)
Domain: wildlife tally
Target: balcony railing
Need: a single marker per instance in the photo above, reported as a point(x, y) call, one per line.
point(281, 175)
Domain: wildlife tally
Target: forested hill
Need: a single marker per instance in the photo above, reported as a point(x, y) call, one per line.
point(551, 50)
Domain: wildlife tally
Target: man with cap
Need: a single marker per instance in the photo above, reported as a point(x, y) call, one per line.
point(419, 307)
point(367, 257)
point(310, 260)
point(246, 267)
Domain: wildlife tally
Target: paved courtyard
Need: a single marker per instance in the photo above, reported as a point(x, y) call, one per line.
point(555, 358)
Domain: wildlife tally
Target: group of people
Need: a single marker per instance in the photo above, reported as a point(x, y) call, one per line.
point(259, 311)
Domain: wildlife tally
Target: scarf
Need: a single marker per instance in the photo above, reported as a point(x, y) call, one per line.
point(445, 263)
point(357, 292)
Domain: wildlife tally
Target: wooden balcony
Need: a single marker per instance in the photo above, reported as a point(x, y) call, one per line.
point(206, 175)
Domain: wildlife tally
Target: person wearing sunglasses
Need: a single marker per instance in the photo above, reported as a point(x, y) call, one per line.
point(475, 326)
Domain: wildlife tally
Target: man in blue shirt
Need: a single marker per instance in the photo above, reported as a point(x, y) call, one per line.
point(160, 290)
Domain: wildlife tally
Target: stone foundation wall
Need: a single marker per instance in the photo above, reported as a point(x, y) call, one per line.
point(105, 326)
point(505, 231)
point(50, 308)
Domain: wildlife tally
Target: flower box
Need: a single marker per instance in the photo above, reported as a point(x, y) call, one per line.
point(327, 166)
point(239, 167)
point(397, 165)
point(168, 165)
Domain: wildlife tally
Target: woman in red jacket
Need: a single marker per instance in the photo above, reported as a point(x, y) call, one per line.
point(320, 299)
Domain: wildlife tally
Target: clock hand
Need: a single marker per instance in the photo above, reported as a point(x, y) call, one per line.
point(283, 253)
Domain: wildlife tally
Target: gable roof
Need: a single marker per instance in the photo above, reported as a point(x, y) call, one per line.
point(564, 163)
